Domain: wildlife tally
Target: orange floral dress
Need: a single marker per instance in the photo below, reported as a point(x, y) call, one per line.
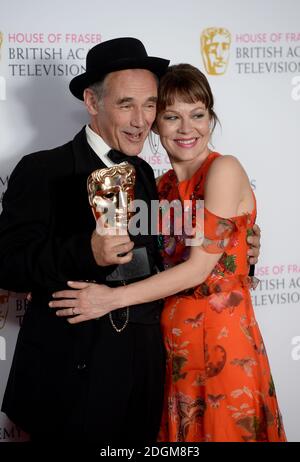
point(218, 381)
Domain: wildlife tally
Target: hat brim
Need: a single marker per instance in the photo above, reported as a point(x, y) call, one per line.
point(79, 83)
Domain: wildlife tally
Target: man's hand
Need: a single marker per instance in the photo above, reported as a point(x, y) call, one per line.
point(108, 247)
point(254, 241)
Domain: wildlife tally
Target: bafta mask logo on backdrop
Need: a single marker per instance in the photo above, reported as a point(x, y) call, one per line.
point(2, 88)
point(1, 42)
point(2, 79)
point(295, 93)
point(2, 349)
point(4, 295)
point(295, 353)
point(215, 48)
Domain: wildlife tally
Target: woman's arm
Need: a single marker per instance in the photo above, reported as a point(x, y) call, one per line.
point(223, 195)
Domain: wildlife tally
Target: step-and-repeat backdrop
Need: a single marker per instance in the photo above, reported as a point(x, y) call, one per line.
point(250, 52)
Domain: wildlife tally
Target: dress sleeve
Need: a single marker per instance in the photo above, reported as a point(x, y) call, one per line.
point(218, 232)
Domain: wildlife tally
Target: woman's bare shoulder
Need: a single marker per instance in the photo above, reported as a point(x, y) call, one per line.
point(227, 165)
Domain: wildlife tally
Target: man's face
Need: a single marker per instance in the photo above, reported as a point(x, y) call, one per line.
point(127, 110)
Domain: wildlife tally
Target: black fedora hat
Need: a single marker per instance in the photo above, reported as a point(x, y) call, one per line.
point(115, 55)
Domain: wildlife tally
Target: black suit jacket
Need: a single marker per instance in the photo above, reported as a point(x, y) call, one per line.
point(45, 232)
point(46, 223)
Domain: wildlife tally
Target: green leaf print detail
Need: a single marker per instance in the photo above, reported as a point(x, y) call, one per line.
point(160, 241)
point(224, 222)
point(250, 232)
point(229, 263)
point(217, 271)
point(256, 426)
point(271, 387)
point(178, 363)
point(204, 288)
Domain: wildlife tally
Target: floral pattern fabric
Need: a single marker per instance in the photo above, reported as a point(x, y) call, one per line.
point(218, 381)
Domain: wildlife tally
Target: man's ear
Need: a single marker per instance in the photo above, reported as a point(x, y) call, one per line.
point(90, 101)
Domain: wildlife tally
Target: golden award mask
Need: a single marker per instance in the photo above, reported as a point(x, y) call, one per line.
point(111, 192)
point(1, 42)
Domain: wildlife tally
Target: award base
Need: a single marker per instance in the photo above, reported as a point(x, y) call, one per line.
point(138, 267)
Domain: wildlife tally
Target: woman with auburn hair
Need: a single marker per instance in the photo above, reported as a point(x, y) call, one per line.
point(218, 381)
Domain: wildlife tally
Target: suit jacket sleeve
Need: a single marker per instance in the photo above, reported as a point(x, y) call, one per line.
point(32, 256)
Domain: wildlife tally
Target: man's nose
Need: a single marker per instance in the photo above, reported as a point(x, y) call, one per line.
point(138, 119)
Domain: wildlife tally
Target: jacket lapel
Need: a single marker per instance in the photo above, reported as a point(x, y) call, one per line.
point(85, 159)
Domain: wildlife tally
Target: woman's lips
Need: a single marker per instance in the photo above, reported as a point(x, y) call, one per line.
point(186, 143)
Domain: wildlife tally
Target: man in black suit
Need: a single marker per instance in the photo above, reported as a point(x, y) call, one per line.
point(101, 380)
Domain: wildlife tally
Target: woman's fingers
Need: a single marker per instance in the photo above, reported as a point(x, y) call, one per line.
point(82, 304)
point(66, 303)
point(77, 319)
point(65, 312)
point(65, 294)
point(78, 284)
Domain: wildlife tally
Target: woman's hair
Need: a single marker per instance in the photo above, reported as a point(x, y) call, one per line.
point(188, 84)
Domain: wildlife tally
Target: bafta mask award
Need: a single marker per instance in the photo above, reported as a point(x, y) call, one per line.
point(215, 48)
point(111, 193)
point(111, 196)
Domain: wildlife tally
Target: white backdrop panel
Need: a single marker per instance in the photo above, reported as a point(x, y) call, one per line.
point(258, 103)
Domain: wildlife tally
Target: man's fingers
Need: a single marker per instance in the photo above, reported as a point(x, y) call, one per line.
point(124, 248)
point(77, 319)
point(106, 249)
point(119, 240)
point(253, 252)
point(254, 241)
point(124, 259)
point(256, 230)
point(120, 254)
point(78, 285)
point(102, 230)
point(253, 260)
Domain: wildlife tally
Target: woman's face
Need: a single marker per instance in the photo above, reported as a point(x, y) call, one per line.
point(184, 130)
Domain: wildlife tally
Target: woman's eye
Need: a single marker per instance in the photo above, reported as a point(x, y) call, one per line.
point(170, 117)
